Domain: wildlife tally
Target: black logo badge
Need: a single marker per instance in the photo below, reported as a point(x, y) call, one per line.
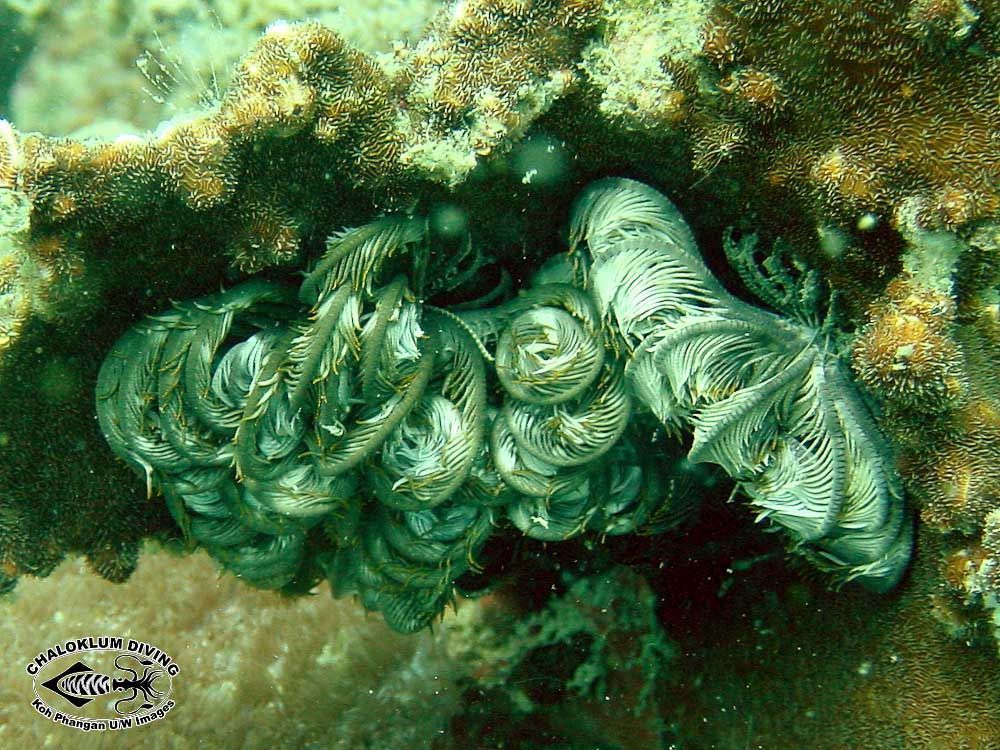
point(108, 683)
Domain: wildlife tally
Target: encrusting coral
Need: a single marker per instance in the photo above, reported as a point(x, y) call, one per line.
point(929, 351)
point(352, 441)
point(138, 64)
point(843, 107)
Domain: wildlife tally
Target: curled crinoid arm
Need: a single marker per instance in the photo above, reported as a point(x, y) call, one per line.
point(554, 518)
point(526, 474)
point(735, 432)
point(242, 311)
point(357, 256)
point(406, 563)
point(879, 573)
point(396, 364)
point(617, 209)
point(112, 415)
point(616, 495)
point(301, 492)
point(641, 285)
point(377, 345)
point(431, 451)
point(415, 470)
point(216, 533)
point(629, 488)
point(487, 325)
point(804, 487)
point(335, 454)
point(485, 486)
point(258, 545)
point(267, 562)
point(126, 404)
point(780, 279)
point(707, 358)
point(194, 420)
point(320, 345)
point(180, 426)
point(270, 428)
point(429, 548)
point(577, 431)
point(546, 355)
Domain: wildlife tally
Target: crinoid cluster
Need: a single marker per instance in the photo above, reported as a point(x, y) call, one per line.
point(767, 397)
point(355, 431)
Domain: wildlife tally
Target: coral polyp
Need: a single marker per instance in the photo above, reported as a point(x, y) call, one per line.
point(907, 354)
point(354, 430)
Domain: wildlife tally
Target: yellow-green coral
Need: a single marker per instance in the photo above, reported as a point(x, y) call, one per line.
point(635, 61)
point(24, 281)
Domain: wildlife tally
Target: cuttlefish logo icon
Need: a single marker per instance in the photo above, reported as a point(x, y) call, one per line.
point(104, 683)
point(79, 684)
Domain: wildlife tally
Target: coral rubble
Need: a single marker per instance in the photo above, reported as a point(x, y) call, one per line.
point(590, 667)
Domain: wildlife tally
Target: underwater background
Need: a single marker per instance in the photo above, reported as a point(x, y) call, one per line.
point(737, 573)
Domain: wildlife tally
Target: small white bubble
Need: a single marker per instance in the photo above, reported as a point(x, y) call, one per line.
point(541, 161)
point(449, 220)
point(867, 222)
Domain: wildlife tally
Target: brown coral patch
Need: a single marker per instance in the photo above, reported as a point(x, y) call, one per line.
point(717, 41)
point(758, 89)
point(269, 236)
point(955, 475)
point(197, 159)
point(906, 353)
point(808, 668)
point(874, 112)
point(10, 154)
